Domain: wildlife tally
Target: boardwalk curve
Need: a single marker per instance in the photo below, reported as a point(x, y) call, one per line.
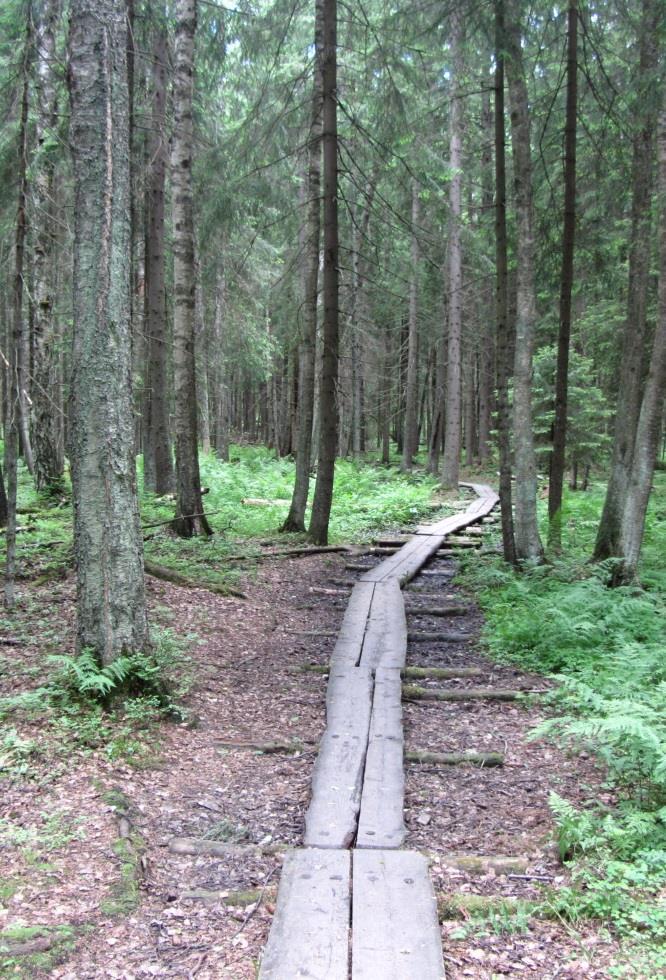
point(351, 903)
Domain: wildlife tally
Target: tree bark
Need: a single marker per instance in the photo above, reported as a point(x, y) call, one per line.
point(526, 529)
point(108, 545)
point(188, 481)
point(503, 339)
point(307, 349)
point(453, 421)
point(558, 458)
point(411, 437)
point(48, 456)
point(14, 406)
point(633, 341)
point(649, 421)
point(328, 415)
point(158, 456)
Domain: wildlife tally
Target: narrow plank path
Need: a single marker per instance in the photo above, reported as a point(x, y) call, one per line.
point(350, 903)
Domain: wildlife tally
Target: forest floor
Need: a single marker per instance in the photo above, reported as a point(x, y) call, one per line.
point(89, 886)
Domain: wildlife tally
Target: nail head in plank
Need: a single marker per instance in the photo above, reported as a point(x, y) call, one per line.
point(310, 932)
point(395, 933)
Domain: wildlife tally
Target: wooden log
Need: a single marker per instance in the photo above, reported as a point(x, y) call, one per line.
point(237, 899)
point(463, 905)
point(218, 848)
point(412, 692)
point(396, 933)
point(266, 748)
point(456, 758)
point(444, 636)
point(444, 673)
point(459, 541)
point(381, 820)
point(438, 610)
point(337, 780)
point(481, 864)
point(185, 582)
point(309, 936)
point(317, 590)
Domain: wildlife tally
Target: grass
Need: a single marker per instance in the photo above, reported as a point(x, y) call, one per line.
point(605, 647)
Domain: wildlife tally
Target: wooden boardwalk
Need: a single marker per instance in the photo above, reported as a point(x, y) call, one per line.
point(351, 904)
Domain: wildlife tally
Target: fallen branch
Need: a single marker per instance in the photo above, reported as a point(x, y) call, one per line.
point(320, 591)
point(176, 578)
point(268, 748)
point(182, 517)
point(240, 899)
point(292, 553)
point(437, 610)
point(459, 906)
point(486, 759)
point(423, 636)
point(482, 864)
point(412, 692)
point(218, 848)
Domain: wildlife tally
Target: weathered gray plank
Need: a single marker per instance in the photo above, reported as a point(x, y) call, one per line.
point(347, 649)
point(337, 779)
point(385, 642)
point(310, 932)
point(381, 821)
point(395, 930)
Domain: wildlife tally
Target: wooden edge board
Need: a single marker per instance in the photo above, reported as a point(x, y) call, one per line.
point(337, 779)
point(385, 642)
point(309, 936)
point(381, 820)
point(395, 933)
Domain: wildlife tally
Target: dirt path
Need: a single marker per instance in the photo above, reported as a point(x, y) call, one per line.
point(60, 856)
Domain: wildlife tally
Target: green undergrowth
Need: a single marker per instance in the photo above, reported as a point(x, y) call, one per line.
point(605, 648)
point(368, 497)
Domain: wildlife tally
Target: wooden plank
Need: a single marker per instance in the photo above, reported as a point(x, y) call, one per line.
point(385, 641)
point(309, 936)
point(337, 779)
point(347, 649)
point(381, 822)
point(394, 913)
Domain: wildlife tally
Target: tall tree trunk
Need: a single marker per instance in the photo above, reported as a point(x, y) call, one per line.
point(308, 346)
point(108, 545)
point(223, 413)
point(13, 426)
point(434, 448)
point(558, 459)
point(503, 337)
point(652, 408)
point(328, 415)
point(526, 529)
point(411, 437)
point(49, 462)
point(486, 358)
point(201, 361)
point(453, 422)
point(190, 519)
point(158, 457)
point(633, 341)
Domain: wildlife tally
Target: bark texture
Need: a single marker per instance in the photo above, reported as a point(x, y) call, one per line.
point(411, 436)
point(652, 407)
point(190, 519)
point(307, 348)
point(46, 425)
point(158, 458)
point(558, 458)
point(453, 422)
point(633, 342)
point(328, 414)
point(107, 534)
point(501, 299)
point(526, 530)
